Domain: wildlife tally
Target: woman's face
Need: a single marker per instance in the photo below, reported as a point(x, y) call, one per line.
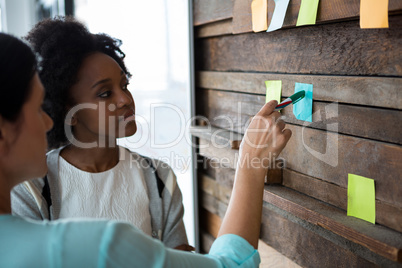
point(105, 107)
point(28, 148)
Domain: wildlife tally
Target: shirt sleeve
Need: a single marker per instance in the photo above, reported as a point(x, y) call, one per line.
point(27, 201)
point(124, 246)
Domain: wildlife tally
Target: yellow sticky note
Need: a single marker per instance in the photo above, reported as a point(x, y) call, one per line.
point(361, 198)
point(259, 15)
point(374, 14)
point(274, 90)
point(307, 12)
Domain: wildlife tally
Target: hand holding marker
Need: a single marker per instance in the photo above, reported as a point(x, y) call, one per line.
point(292, 99)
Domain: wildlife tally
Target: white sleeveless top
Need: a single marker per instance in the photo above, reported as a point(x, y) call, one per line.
point(119, 193)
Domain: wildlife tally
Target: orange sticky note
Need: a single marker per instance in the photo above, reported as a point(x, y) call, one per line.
point(373, 14)
point(259, 15)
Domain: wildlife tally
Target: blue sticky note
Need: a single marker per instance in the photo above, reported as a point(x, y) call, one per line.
point(303, 109)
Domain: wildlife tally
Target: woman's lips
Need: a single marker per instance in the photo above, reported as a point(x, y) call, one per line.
point(129, 115)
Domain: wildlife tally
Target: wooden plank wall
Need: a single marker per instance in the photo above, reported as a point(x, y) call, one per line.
point(356, 128)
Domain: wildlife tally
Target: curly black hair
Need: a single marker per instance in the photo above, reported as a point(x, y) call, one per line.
point(62, 44)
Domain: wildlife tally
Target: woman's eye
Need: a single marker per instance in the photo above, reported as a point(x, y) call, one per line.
point(125, 87)
point(105, 94)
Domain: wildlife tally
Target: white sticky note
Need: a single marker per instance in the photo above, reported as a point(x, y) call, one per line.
point(279, 15)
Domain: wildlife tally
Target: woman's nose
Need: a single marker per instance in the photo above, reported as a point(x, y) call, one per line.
point(124, 98)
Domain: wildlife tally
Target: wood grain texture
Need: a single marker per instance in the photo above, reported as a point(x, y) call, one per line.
point(305, 247)
point(223, 27)
point(378, 239)
point(227, 157)
point(210, 224)
point(385, 92)
point(232, 111)
point(301, 245)
point(386, 214)
point(206, 241)
point(331, 157)
point(328, 11)
point(220, 138)
point(222, 175)
point(242, 16)
point(336, 49)
point(212, 187)
point(205, 11)
point(271, 258)
point(333, 194)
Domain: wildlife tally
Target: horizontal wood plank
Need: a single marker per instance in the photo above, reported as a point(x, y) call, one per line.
point(219, 137)
point(212, 187)
point(331, 157)
point(328, 11)
point(332, 49)
point(333, 194)
point(205, 11)
point(304, 246)
point(269, 256)
point(233, 111)
point(206, 241)
point(385, 92)
point(378, 239)
point(242, 20)
point(327, 192)
point(214, 29)
point(227, 157)
point(224, 176)
point(210, 222)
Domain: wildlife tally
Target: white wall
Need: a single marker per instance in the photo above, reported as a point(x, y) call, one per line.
point(20, 16)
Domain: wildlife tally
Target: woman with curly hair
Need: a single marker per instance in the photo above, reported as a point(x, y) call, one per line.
point(100, 243)
point(89, 175)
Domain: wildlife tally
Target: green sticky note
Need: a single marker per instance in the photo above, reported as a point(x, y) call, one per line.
point(361, 198)
point(307, 12)
point(274, 90)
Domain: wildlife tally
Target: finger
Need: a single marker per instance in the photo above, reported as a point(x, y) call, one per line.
point(287, 133)
point(268, 108)
point(280, 124)
point(276, 115)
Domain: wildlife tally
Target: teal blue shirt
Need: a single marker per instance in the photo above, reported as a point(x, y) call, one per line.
point(90, 243)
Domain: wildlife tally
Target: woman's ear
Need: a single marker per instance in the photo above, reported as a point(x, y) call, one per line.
point(4, 133)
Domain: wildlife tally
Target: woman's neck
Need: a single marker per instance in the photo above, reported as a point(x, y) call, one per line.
point(91, 160)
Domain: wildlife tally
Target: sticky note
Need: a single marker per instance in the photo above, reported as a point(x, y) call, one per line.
point(361, 198)
point(259, 15)
point(303, 109)
point(307, 12)
point(374, 14)
point(274, 90)
point(279, 15)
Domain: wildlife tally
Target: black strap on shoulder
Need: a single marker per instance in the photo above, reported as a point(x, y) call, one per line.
point(159, 182)
point(46, 194)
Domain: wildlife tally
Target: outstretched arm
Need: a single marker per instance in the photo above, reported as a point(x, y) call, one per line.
point(264, 139)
